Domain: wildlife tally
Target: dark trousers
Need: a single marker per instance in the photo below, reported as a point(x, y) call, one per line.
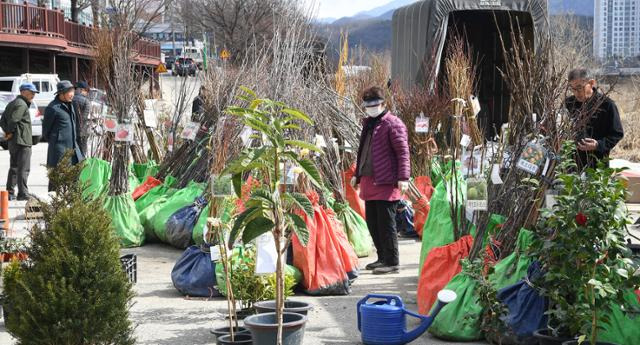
point(19, 168)
point(381, 221)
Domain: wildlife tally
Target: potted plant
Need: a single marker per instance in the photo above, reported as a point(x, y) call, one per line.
point(581, 244)
point(272, 207)
point(11, 248)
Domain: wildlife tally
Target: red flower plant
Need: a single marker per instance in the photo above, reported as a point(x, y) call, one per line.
point(581, 219)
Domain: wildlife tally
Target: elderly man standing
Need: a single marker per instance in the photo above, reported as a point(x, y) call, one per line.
point(82, 106)
point(60, 127)
point(596, 118)
point(16, 123)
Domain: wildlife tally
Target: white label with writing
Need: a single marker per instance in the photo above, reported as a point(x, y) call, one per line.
point(495, 174)
point(215, 253)
point(465, 141)
point(475, 105)
point(422, 124)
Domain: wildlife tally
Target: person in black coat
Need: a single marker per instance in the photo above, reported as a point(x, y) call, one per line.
point(60, 128)
point(596, 119)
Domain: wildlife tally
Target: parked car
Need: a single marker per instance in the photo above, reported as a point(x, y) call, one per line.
point(185, 66)
point(36, 121)
point(45, 83)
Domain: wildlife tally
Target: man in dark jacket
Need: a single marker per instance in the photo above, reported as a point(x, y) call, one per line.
point(382, 174)
point(595, 117)
point(60, 127)
point(16, 123)
point(82, 106)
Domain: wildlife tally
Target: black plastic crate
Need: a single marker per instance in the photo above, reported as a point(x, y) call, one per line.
point(130, 266)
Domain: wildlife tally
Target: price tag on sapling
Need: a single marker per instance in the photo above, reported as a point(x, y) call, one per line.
point(465, 141)
point(477, 194)
point(221, 186)
point(422, 124)
point(190, 131)
point(531, 158)
point(124, 132)
point(475, 105)
point(110, 123)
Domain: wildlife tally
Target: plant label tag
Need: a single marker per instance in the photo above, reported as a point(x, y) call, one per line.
point(347, 147)
point(550, 200)
point(266, 255)
point(221, 186)
point(546, 167)
point(150, 118)
point(215, 253)
point(477, 194)
point(170, 142)
point(245, 136)
point(124, 132)
point(531, 159)
point(422, 124)
point(110, 123)
point(320, 142)
point(475, 105)
point(465, 141)
point(190, 131)
point(495, 174)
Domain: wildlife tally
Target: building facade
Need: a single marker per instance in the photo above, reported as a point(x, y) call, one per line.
point(616, 29)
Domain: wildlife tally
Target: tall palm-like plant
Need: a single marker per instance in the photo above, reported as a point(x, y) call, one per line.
point(271, 208)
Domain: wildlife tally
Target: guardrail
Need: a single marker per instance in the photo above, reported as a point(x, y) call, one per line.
point(27, 19)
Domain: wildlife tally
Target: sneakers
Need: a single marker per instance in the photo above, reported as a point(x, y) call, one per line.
point(386, 270)
point(12, 197)
point(374, 265)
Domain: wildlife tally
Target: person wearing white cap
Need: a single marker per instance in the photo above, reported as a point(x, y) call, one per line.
point(16, 123)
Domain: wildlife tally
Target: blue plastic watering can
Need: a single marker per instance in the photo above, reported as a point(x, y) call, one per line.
point(383, 322)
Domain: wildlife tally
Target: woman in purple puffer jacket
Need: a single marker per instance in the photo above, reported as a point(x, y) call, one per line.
point(382, 175)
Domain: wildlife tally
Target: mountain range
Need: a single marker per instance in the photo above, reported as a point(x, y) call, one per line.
point(371, 29)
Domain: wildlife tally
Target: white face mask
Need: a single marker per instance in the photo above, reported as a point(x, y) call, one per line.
point(374, 111)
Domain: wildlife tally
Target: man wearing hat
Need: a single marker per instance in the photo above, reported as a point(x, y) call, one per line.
point(382, 174)
point(16, 123)
point(83, 108)
point(60, 127)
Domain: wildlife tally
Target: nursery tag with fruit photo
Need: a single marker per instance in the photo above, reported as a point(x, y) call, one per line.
point(477, 194)
point(190, 131)
point(110, 123)
point(124, 132)
point(531, 158)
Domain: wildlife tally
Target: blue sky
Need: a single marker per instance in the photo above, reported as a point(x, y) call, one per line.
point(345, 8)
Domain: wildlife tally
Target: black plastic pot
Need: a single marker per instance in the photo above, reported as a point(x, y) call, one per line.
point(545, 337)
point(586, 342)
point(218, 332)
point(264, 328)
point(290, 306)
point(239, 339)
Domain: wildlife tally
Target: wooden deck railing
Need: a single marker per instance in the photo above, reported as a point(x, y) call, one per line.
point(27, 19)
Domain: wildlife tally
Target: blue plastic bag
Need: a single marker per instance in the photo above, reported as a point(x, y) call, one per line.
point(404, 219)
point(180, 225)
point(194, 273)
point(526, 307)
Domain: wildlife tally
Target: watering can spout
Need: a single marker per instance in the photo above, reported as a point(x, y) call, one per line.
point(444, 297)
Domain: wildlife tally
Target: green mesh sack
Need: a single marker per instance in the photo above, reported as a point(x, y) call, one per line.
point(125, 220)
point(154, 194)
point(460, 320)
point(438, 229)
point(511, 269)
point(356, 228)
point(142, 171)
point(163, 211)
point(623, 328)
point(94, 178)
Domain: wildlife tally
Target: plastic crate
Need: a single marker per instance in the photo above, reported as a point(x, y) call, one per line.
point(130, 267)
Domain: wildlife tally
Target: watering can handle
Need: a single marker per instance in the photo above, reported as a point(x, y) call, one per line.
point(416, 332)
point(388, 298)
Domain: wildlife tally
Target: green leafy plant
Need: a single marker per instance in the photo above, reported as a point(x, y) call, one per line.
point(74, 290)
point(580, 242)
point(271, 207)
